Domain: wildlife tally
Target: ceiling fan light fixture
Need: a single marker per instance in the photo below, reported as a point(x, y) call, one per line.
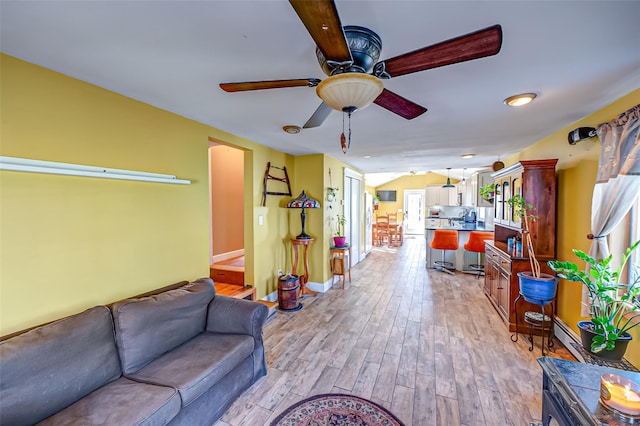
point(349, 90)
point(521, 99)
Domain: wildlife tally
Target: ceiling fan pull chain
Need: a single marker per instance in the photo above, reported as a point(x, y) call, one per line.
point(349, 143)
point(343, 139)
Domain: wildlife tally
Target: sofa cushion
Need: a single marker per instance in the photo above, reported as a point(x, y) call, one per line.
point(123, 402)
point(50, 367)
point(198, 364)
point(149, 326)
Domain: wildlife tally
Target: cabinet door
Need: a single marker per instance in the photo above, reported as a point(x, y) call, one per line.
point(504, 281)
point(499, 203)
point(506, 196)
point(516, 189)
point(449, 196)
point(432, 195)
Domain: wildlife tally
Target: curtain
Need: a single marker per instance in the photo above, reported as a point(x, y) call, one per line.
point(618, 182)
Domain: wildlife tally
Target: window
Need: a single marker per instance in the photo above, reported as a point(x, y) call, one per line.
point(634, 233)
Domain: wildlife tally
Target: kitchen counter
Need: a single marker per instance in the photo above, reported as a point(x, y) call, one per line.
point(460, 258)
point(463, 227)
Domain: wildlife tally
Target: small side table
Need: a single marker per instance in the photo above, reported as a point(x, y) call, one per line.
point(340, 258)
point(306, 242)
point(536, 321)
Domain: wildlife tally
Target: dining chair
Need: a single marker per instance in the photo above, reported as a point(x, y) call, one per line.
point(382, 229)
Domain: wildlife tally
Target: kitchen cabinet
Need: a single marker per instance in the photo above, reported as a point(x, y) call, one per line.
point(535, 180)
point(436, 195)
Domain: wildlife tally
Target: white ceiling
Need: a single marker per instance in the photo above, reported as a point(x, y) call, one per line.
point(578, 56)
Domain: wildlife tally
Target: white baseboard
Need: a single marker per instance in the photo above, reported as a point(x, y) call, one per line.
point(319, 287)
point(225, 256)
point(271, 297)
point(567, 336)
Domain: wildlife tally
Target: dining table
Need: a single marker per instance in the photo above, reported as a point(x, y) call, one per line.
point(395, 233)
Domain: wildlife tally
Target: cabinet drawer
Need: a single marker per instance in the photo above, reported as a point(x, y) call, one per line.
point(505, 264)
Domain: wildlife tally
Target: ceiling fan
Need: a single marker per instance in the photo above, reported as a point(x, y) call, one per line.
point(351, 54)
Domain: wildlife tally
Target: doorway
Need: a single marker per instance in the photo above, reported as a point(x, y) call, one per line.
point(353, 211)
point(413, 211)
point(226, 196)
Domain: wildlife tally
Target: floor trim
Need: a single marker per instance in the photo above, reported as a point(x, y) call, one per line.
point(567, 336)
point(226, 256)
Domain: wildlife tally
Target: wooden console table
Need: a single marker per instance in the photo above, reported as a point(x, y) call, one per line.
point(305, 243)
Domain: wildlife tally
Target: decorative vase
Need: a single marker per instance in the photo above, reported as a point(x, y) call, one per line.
point(540, 291)
point(339, 241)
point(615, 354)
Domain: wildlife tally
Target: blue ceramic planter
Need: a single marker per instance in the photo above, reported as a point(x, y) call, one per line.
point(540, 291)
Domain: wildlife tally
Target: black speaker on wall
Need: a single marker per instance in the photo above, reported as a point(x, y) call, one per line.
point(581, 133)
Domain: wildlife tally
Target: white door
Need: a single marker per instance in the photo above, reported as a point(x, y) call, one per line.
point(354, 212)
point(413, 219)
point(368, 222)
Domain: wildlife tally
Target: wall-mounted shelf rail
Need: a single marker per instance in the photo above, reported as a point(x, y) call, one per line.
point(52, 167)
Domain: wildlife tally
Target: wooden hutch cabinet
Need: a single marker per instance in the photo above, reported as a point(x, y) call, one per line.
point(535, 180)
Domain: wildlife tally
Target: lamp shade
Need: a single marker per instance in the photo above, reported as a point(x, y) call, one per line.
point(448, 184)
point(302, 201)
point(349, 90)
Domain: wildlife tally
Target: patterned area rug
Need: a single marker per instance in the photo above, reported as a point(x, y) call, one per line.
point(336, 410)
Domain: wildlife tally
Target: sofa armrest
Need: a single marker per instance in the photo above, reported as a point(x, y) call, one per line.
point(236, 316)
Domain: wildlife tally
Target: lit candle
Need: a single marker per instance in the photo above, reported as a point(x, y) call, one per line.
point(620, 394)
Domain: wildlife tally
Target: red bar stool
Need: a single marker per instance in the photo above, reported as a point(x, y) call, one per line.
point(444, 239)
point(476, 245)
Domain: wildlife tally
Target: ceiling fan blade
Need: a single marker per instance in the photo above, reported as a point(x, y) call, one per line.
point(486, 42)
point(399, 105)
point(318, 116)
point(270, 84)
point(321, 19)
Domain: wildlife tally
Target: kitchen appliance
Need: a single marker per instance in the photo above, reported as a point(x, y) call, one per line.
point(470, 216)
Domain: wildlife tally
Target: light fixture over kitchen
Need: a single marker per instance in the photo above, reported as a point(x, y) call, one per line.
point(448, 184)
point(521, 99)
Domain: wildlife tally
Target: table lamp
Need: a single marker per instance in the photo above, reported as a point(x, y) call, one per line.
point(302, 201)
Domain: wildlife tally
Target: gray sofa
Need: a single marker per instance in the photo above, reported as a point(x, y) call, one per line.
point(181, 355)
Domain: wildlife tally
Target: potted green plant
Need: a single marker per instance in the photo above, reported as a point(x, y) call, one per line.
point(489, 191)
point(331, 194)
point(339, 239)
point(615, 306)
point(535, 286)
point(376, 202)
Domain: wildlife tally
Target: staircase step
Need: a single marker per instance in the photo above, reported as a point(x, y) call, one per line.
point(227, 274)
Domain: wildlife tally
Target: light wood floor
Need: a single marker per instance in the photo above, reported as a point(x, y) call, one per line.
point(426, 345)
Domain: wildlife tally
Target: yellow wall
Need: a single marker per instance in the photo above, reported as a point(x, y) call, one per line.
point(577, 169)
point(404, 183)
point(68, 243)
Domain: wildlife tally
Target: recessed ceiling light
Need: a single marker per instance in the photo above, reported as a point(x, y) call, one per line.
point(367, 156)
point(468, 156)
point(292, 130)
point(521, 99)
